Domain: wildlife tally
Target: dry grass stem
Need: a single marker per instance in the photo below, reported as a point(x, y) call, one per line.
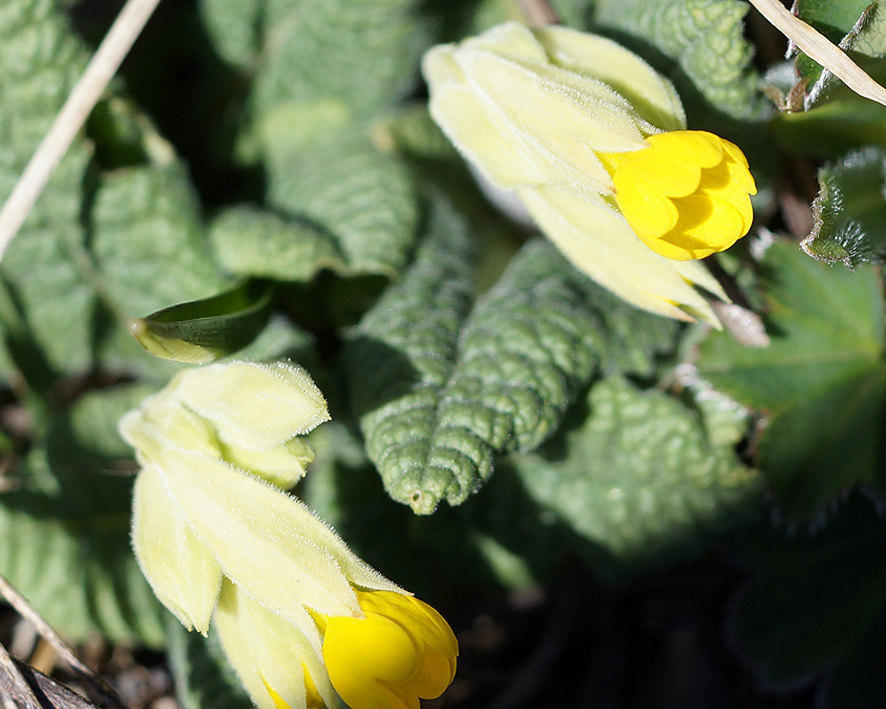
point(70, 119)
point(819, 48)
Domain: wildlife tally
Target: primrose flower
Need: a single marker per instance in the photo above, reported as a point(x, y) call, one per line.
point(593, 142)
point(217, 538)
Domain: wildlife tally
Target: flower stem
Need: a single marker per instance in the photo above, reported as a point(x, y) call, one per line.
point(538, 12)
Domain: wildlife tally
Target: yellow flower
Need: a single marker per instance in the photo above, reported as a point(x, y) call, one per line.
point(217, 537)
point(402, 650)
point(687, 195)
point(593, 142)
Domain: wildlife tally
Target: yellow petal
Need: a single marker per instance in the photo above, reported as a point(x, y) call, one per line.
point(697, 147)
point(686, 195)
point(707, 225)
point(650, 171)
point(181, 570)
point(650, 213)
point(402, 651)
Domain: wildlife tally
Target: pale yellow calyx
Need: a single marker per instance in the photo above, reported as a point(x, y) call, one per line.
point(279, 661)
point(218, 538)
point(565, 120)
point(401, 651)
point(687, 195)
point(253, 405)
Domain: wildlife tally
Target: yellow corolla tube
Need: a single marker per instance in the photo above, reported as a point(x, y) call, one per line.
point(303, 620)
point(594, 143)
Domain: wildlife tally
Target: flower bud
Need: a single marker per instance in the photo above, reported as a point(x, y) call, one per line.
point(216, 536)
point(590, 137)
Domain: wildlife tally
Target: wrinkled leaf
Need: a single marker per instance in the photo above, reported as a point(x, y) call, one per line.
point(362, 54)
point(361, 197)
point(41, 60)
point(322, 74)
point(441, 394)
point(68, 552)
point(253, 242)
point(640, 478)
point(705, 39)
point(148, 242)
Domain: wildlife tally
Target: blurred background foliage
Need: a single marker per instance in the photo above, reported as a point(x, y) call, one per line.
point(611, 508)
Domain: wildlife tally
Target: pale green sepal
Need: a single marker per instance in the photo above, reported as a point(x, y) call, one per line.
point(282, 466)
point(161, 421)
point(512, 40)
point(267, 542)
point(525, 121)
point(598, 240)
point(268, 652)
point(653, 97)
point(493, 149)
point(181, 570)
point(439, 68)
point(256, 406)
point(696, 273)
point(560, 117)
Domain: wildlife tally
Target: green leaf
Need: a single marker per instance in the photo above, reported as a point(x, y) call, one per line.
point(249, 241)
point(402, 354)
point(148, 250)
point(148, 241)
point(364, 199)
point(326, 72)
point(41, 60)
point(639, 478)
point(85, 436)
point(821, 383)
point(203, 677)
point(833, 17)
point(841, 21)
point(849, 212)
point(839, 125)
point(705, 38)
point(441, 394)
point(68, 552)
point(363, 54)
point(814, 602)
point(233, 28)
point(204, 330)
